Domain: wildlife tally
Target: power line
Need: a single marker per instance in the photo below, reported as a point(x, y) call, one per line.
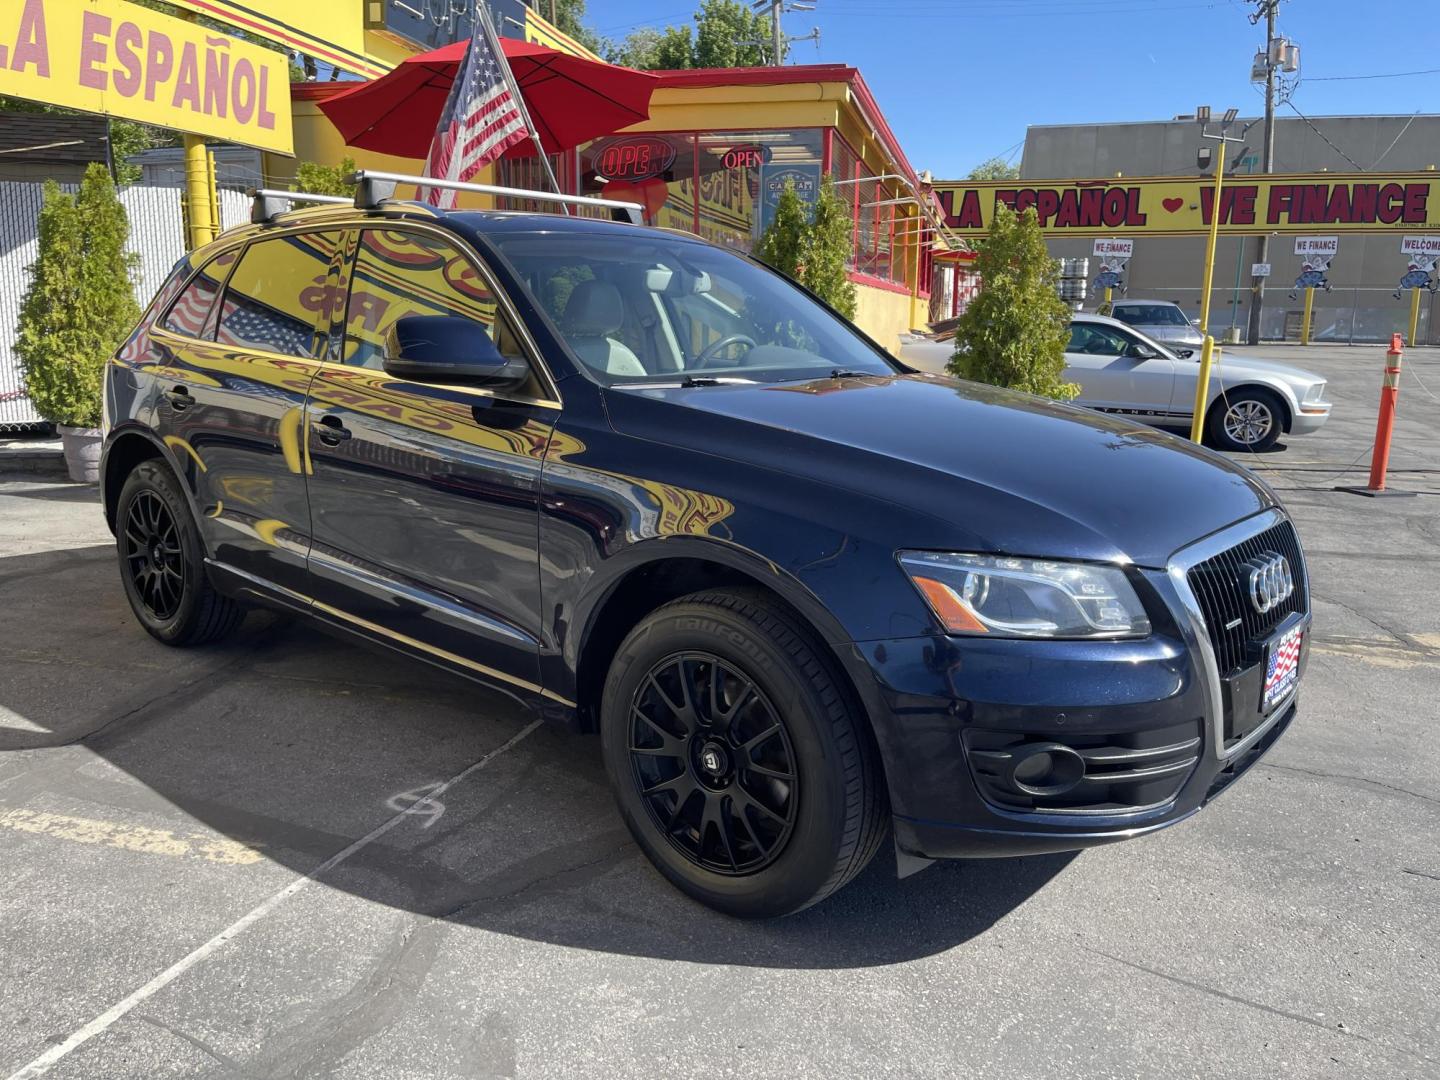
point(1325, 138)
point(1381, 75)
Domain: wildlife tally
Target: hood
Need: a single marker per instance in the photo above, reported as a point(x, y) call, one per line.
point(1186, 334)
point(1005, 472)
point(1233, 365)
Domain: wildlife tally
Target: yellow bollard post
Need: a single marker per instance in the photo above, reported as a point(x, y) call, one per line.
point(1305, 320)
point(200, 216)
point(1109, 306)
point(1202, 388)
point(1414, 317)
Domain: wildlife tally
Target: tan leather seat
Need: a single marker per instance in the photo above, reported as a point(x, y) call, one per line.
point(593, 312)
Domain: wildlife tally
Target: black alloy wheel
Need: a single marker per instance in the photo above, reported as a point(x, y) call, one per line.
point(150, 546)
point(740, 760)
point(713, 763)
point(162, 561)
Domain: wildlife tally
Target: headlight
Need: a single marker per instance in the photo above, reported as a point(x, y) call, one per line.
point(1031, 598)
point(1316, 392)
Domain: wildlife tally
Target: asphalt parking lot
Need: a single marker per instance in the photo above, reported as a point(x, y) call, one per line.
point(240, 861)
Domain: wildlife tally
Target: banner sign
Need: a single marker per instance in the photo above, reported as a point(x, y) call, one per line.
point(1420, 245)
point(120, 59)
point(773, 179)
point(1121, 249)
point(1317, 245)
point(332, 31)
point(1181, 206)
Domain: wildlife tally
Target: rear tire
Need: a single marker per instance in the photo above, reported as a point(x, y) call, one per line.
point(757, 790)
point(1250, 419)
point(162, 562)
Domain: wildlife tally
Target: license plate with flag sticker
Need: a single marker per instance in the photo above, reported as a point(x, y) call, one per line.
point(1282, 667)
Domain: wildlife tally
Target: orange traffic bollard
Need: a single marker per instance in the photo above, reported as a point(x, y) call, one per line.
point(1384, 425)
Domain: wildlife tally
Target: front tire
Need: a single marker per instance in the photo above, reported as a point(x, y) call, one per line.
point(1245, 420)
point(738, 760)
point(162, 562)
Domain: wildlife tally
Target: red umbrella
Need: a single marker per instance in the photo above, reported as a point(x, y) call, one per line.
point(571, 100)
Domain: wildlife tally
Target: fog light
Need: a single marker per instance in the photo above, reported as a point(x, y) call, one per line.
point(1046, 769)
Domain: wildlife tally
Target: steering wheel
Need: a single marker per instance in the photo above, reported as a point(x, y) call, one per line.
point(707, 355)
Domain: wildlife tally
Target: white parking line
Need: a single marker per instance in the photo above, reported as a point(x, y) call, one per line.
point(42, 1064)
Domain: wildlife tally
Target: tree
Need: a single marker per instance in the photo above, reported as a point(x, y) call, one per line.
point(316, 179)
point(569, 16)
point(811, 245)
point(1014, 332)
point(80, 304)
point(727, 34)
point(995, 168)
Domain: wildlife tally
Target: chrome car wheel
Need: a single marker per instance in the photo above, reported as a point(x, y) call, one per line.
point(1249, 422)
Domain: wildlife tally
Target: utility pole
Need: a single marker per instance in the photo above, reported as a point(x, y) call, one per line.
point(1267, 159)
point(778, 38)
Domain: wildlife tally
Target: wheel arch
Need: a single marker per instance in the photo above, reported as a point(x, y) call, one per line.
point(659, 571)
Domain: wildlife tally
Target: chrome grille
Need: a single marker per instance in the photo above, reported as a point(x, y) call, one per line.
point(1219, 583)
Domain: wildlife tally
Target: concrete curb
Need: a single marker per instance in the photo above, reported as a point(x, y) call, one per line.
point(27, 458)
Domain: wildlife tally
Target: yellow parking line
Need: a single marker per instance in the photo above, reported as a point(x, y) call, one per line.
point(130, 837)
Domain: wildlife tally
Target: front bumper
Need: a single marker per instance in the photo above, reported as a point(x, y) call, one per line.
point(1310, 417)
point(1152, 728)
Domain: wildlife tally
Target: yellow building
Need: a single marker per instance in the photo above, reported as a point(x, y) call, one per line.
point(717, 150)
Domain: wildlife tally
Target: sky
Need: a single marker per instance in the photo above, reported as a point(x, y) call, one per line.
point(960, 80)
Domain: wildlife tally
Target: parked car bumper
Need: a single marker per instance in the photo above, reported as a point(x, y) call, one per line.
point(971, 724)
point(1310, 417)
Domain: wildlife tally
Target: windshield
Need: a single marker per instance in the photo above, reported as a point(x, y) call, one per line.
point(1151, 315)
point(646, 308)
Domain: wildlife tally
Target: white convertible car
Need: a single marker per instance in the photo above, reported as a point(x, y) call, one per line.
point(1122, 370)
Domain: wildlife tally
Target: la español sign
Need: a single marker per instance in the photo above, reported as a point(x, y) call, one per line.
point(117, 58)
point(1181, 206)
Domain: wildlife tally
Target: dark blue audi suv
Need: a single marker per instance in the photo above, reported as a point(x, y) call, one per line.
point(810, 600)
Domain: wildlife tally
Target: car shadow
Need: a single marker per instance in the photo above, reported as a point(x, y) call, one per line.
point(293, 744)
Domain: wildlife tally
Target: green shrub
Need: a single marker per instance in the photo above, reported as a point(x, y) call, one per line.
point(80, 305)
point(315, 179)
point(1014, 332)
point(811, 245)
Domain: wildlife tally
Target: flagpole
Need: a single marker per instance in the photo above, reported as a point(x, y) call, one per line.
point(482, 10)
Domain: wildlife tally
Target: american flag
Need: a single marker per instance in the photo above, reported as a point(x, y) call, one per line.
point(1282, 669)
point(481, 119)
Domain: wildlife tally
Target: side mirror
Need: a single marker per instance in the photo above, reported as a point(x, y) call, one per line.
point(1184, 354)
point(448, 348)
point(1138, 350)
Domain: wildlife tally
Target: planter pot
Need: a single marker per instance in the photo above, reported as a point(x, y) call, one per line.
point(82, 453)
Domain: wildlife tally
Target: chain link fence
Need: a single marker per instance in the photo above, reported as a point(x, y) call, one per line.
point(157, 235)
point(1339, 316)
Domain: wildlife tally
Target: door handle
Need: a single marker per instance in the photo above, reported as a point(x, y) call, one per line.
point(179, 398)
point(330, 431)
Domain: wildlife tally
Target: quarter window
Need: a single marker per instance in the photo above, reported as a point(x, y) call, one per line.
point(276, 294)
point(190, 314)
point(398, 274)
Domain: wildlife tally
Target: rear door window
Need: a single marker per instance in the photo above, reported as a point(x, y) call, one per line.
point(278, 293)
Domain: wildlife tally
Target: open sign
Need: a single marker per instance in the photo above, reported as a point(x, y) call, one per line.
point(637, 158)
point(748, 156)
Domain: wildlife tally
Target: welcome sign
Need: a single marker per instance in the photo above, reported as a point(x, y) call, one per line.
point(1178, 206)
point(117, 58)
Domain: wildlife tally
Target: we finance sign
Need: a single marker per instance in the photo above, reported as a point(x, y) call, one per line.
point(120, 59)
point(1176, 206)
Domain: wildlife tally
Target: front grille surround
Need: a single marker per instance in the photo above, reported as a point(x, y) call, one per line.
point(1196, 627)
point(1236, 630)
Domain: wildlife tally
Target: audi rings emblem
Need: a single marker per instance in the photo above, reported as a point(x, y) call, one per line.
point(1269, 581)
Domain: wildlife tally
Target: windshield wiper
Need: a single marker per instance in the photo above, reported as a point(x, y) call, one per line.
point(841, 373)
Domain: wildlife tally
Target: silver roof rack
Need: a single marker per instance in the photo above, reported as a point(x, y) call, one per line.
point(269, 201)
point(373, 187)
